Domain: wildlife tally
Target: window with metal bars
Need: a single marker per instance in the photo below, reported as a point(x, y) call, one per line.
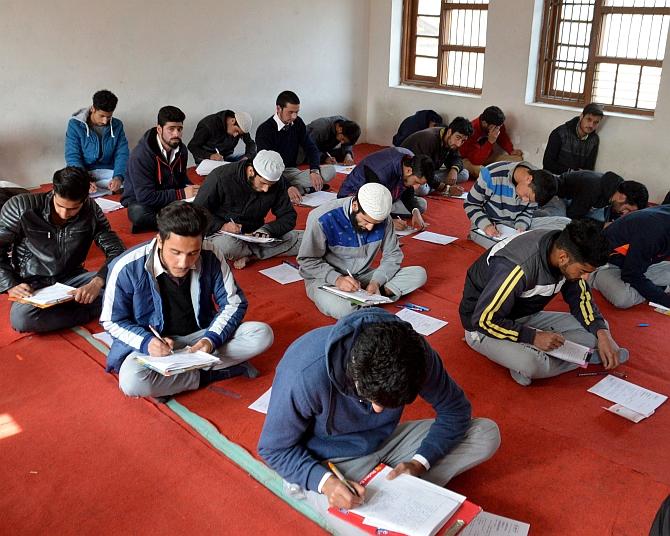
point(444, 43)
point(605, 51)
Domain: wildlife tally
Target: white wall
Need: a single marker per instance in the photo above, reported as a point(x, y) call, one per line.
point(202, 56)
point(635, 148)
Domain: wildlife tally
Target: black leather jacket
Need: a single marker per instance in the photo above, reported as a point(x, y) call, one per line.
point(35, 251)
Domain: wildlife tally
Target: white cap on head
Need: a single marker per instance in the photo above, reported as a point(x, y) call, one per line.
point(375, 200)
point(243, 120)
point(269, 165)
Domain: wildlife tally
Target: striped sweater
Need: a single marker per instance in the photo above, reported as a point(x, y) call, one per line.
point(493, 198)
point(514, 279)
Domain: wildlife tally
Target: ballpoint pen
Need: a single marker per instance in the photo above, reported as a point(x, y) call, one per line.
point(155, 332)
point(341, 478)
point(603, 373)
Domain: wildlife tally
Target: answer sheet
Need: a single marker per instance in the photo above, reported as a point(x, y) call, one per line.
point(344, 169)
point(249, 238)
point(423, 324)
point(263, 403)
point(282, 273)
point(207, 166)
point(486, 524)
point(571, 352)
point(435, 238)
point(628, 394)
point(316, 199)
point(108, 205)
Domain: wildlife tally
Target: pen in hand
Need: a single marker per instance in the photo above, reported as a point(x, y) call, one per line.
point(158, 336)
point(352, 277)
point(341, 478)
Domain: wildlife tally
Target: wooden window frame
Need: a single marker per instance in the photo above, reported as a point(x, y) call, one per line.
point(409, 38)
point(549, 45)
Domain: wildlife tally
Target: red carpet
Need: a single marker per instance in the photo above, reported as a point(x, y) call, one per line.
point(565, 466)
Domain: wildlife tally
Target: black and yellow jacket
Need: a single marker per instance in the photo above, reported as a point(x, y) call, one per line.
point(513, 280)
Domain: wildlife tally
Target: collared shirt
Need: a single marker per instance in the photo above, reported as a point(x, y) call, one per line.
point(586, 136)
point(280, 124)
point(159, 269)
point(173, 153)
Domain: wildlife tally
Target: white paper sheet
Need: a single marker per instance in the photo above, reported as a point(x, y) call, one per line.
point(108, 205)
point(626, 413)
point(572, 352)
point(407, 504)
point(344, 169)
point(99, 193)
point(406, 232)
point(504, 230)
point(628, 394)
point(359, 296)
point(435, 238)
point(660, 308)
point(178, 362)
point(282, 273)
point(52, 294)
point(316, 199)
point(263, 403)
point(249, 238)
point(207, 166)
point(423, 324)
point(486, 524)
point(104, 337)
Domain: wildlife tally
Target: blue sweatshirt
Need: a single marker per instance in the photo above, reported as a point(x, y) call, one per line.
point(84, 149)
point(647, 234)
point(386, 166)
point(315, 413)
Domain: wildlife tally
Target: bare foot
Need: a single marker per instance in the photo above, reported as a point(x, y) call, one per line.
point(241, 263)
point(417, 220)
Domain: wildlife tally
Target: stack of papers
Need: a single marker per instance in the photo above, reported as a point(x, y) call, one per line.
point(486, 524)
point(207, 166)
point(407, 504)
point(504, 230)
point(435, 238)
point(108, 205)
point(48, 296)
point(631, 401)
point(249, 238)
point(572, 352)
point(283, 273)
point(344, 169)
point(263, 403)
point(422, 324)
point(99, 193)
point(316, 199)
point(178, 362)
point(361, 297)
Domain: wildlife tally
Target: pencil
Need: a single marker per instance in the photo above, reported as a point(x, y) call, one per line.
point(341, 478)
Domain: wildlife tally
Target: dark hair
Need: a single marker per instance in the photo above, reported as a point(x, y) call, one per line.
point(182, 218)
point(593, 109)
point(105, 100)
point(388, 363)
point(422, 166)
point(544, 185)
point(666, 201)
point(351, 131)
point(462, 126)
point(585, 242)
point(170, 114)
point(493, 116)
point(287, 97)
point(636, 193)
point(72, 183)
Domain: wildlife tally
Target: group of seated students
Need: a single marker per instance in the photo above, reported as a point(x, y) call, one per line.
point(339, 390)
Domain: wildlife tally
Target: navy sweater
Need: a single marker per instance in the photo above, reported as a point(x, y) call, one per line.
point(287, 141)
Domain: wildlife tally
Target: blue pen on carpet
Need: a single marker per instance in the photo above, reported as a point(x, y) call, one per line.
point(643, 325)
point(417, 307)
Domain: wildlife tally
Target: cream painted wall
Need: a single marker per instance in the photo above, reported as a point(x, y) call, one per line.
point(632, 147)
point(202, 56)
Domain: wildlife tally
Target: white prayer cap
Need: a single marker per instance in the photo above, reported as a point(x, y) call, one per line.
point(243, 120)
point(269, 165)
point(375, 200)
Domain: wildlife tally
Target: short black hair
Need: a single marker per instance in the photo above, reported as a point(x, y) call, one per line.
point(461, 125)
point(351, 131)
point(182, 218)
point(493, 116)
point(422, 166)
point(636, 193)
point(666, 201)
point(105, 100)
point(287, 97)
point(170, 114)
point(593, 109)
point(585, 242)
point(72, 183)
point(388, 363)
point(544, 185)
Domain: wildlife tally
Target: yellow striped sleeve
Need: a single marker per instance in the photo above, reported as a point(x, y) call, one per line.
point(486, 318)
point(585, 303)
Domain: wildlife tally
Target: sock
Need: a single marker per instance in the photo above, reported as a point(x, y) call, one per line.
point(211, 376)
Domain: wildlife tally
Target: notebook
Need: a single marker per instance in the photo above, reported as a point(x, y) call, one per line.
point(249, 238)
point(178, 362)
point(572, 352)
point(48, 296)
point(361, 297)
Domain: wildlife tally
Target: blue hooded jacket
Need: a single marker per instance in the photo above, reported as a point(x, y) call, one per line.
point(315, 413)
point(82, 146)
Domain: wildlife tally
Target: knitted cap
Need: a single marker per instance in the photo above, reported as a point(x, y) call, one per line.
point(244, 121)
point(269, 165)
point(375, 200)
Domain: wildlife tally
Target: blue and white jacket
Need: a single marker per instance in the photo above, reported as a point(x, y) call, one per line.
point(82, 147)
point(132, 301)
point(493, 198)
point(315, 413)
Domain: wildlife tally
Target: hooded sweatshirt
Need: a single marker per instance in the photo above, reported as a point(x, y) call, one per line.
point(84, 149)
point(315, 413)
point(151, 180)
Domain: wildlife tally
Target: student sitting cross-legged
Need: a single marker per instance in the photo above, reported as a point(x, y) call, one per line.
point(239, 197)
point(340, 244)
point(338, 395)
point(508, 287)
point(177, 286)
